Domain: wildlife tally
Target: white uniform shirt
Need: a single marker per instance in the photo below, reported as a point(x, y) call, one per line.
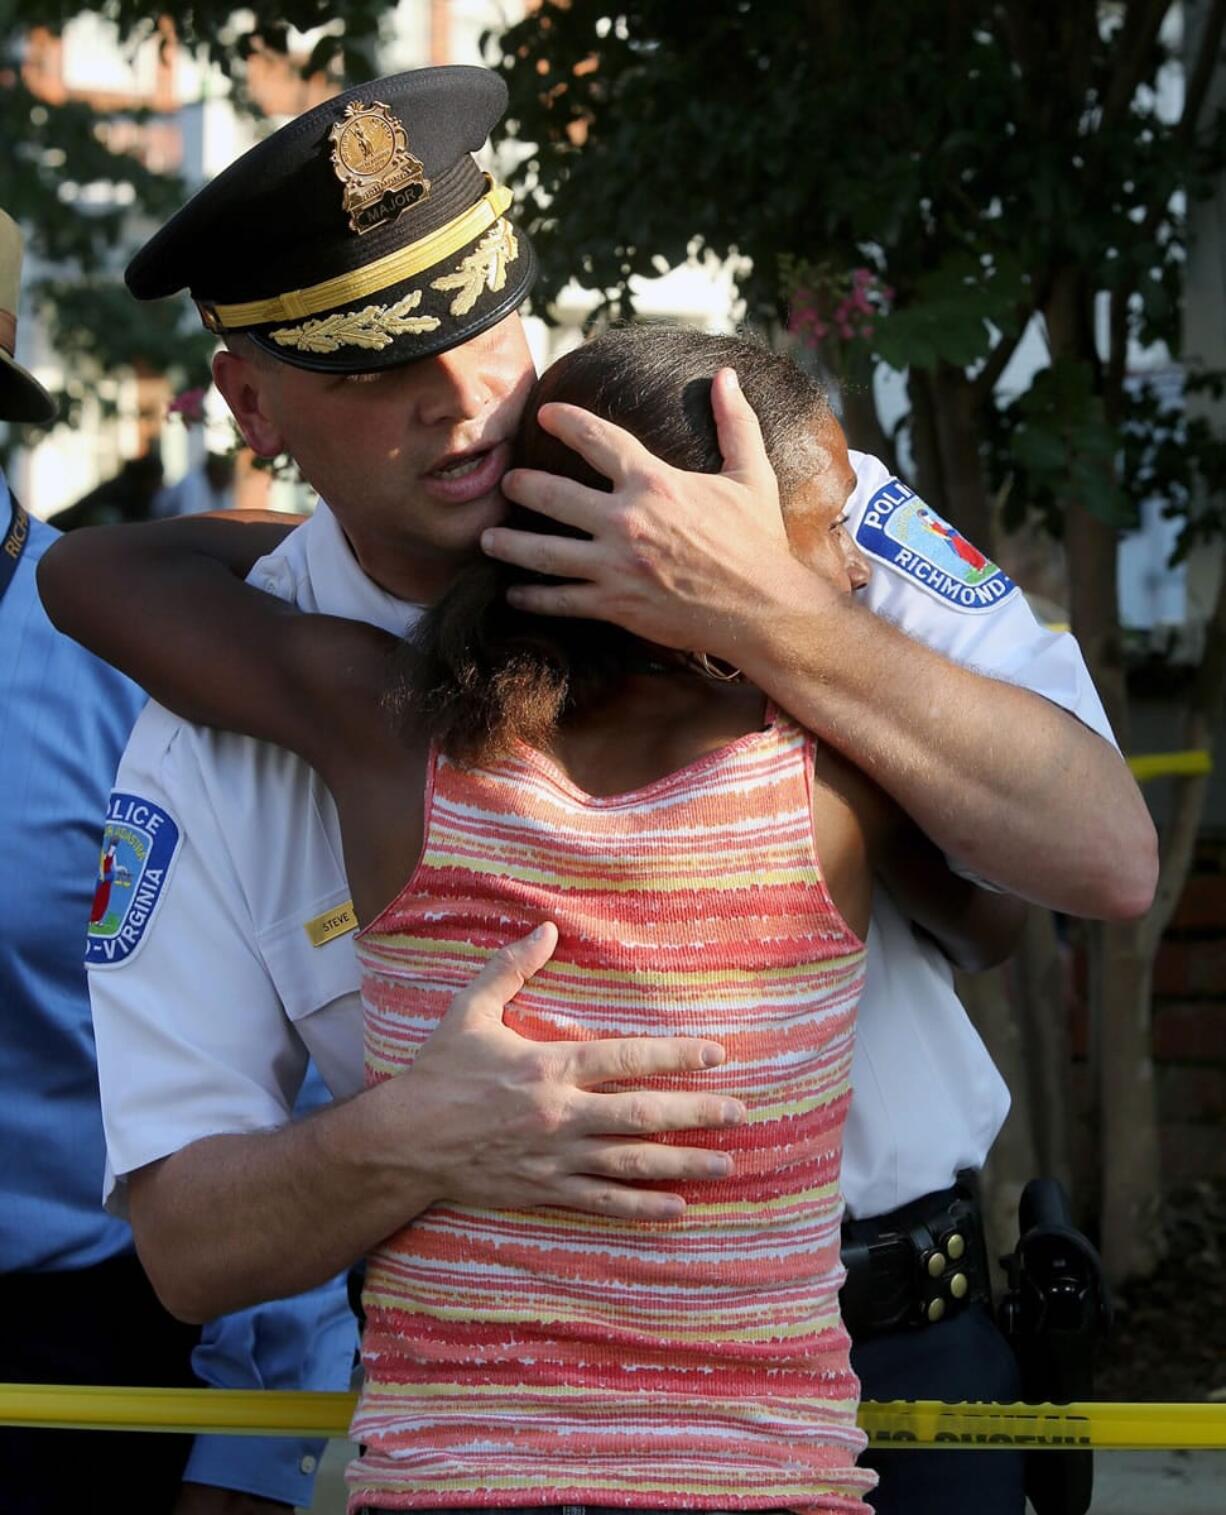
point(208, 992)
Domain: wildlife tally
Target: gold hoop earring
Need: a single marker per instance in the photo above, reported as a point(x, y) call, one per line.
point(715, 668)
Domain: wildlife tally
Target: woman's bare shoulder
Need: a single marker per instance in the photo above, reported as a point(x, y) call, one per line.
point(381, 801)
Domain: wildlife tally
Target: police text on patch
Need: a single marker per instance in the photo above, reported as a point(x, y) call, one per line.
point(139, 844)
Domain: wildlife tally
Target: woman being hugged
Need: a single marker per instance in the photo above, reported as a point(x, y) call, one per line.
point(705, 867)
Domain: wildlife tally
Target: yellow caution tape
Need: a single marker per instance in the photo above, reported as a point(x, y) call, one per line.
point(221, 1412)
point(1160, 765)
point(1118, 1427)
point(267, 1412)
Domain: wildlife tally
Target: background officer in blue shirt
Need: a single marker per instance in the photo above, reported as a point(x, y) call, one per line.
point(74, 1301)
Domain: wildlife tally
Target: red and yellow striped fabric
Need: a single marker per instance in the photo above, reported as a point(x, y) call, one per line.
point(552, 1357)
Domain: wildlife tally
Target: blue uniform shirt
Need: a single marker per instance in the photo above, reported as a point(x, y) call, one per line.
point(65, 717)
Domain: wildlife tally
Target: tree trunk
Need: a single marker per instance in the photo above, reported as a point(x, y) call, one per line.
point(1130, 1226)
point(1040, 976)
point(925, 444)
point(1132, 1240)
point(1013, 1158)
point(946, 431)
point(1120, 964)
point(959, 429)
point(1092, 546)
point(863, 425)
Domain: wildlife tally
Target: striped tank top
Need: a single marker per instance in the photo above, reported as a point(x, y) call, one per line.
point(553, 1357)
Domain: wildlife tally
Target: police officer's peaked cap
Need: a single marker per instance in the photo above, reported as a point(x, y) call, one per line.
point(22, 397)
point(360, 236)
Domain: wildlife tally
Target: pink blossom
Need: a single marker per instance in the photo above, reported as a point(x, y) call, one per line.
point(188, 406)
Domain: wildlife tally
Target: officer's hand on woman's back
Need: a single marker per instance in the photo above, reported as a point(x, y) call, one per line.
point(515, 1123)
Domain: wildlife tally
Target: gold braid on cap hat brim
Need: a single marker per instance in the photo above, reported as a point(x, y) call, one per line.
point(485, 266)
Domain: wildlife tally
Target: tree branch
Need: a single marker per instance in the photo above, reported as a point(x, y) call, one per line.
point(1117, 350)
point(1178, 845)
point(1200, 76)
point(1142, 23)
point(985, 381)
point(1028, 49)
point(1179, 836)
point(1199, 80)
point(998, 359)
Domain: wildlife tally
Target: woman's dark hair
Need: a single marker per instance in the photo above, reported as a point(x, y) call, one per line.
point(475, 675)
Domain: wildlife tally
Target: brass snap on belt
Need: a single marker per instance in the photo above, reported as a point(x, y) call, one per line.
point(919, 1265)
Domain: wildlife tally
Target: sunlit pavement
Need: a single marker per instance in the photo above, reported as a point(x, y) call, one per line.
point(1125, 1483)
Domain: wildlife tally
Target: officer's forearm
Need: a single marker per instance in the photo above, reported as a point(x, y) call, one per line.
point(1008, 783)
point(231, 1221)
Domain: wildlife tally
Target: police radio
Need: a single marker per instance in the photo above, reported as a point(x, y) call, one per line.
point(1054, 1313)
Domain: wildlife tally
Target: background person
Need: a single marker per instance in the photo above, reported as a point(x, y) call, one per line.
point(129, 496)
point(77, 1306)
point(208, 486)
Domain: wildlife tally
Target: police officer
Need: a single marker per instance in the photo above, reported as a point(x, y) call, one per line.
point(75, 1303)
point(365, 283)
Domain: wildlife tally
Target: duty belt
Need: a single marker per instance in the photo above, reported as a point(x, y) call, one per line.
point(915, 1266)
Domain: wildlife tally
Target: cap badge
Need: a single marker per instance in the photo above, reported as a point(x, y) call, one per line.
point(371, 158)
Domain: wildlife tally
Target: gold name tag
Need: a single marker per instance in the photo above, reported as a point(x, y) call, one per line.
point(339, 921)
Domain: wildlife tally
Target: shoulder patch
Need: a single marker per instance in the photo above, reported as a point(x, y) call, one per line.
point(139, 845)
point(898, 529)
